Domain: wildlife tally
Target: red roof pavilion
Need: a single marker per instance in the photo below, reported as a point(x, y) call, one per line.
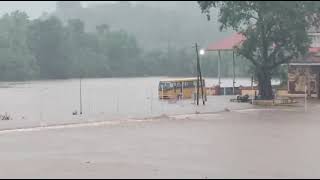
point(227, 43)
point(236, 39)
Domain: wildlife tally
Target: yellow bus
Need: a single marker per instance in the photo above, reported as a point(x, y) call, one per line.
point(180, 88)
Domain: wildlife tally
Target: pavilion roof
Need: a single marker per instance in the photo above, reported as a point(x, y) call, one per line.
point(228, 43)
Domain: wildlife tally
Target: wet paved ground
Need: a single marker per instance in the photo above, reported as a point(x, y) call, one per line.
point(252, 143)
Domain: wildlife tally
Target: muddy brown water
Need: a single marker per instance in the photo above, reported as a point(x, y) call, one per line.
point(35, 103)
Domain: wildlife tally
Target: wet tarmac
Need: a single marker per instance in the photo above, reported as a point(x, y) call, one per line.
point(246, 143)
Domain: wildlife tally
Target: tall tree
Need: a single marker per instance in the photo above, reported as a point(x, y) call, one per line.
point(16, 61)
point(102, 29)
point(122, 51)
point(83, 52)
point(275, 31)
point(47, 39)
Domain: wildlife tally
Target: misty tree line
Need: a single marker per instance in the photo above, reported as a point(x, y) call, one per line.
point(50, 49)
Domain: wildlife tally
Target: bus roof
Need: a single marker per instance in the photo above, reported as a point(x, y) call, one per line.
point(179, 80)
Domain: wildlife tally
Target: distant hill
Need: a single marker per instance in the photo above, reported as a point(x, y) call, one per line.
point(154, 24)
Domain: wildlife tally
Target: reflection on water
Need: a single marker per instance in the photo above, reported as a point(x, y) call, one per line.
point(51, 102)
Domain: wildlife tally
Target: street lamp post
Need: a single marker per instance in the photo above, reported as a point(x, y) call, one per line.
point(199, 75)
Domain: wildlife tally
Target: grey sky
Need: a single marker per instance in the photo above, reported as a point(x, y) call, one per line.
point(34, 8)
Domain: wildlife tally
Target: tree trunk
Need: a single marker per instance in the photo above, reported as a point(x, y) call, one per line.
point(264, 85)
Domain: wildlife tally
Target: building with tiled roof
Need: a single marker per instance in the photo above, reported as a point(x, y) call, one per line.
point(303, 72)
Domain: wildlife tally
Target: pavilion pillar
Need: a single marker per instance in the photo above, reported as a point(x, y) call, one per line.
point(219, 68)
point(308, 74)
point(234, 73)
point(318, 83)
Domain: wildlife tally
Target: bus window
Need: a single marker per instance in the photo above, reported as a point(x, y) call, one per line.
point(189, 84)
point(178, 84)
point(165, 85)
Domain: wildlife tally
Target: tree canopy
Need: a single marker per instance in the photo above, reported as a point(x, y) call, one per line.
point(47, 48)
point(275, 31)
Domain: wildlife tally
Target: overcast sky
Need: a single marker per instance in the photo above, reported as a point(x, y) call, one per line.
point(34, 8)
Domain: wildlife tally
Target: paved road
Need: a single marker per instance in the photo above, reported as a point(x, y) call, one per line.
point(253, 143)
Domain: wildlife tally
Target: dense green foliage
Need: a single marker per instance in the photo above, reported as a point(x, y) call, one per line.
point(276, 32)
point(46, 48)
point(16, 60)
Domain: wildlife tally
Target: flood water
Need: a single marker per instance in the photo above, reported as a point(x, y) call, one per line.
point(37, 103)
